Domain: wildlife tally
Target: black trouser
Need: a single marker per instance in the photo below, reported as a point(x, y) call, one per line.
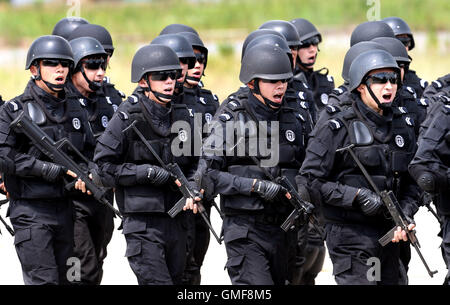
point(93, 231)
point(156, 247)
point(354, 251)
point(257, 251)
point(197, 244)
point(309, 255)
point(43, 239)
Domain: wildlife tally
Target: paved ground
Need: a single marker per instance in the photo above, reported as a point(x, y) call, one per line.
point(117, 270)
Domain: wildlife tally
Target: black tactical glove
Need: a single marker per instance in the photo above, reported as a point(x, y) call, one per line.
point(369, 202)
point(48, 171)
point(426, 182)
point(154, 175)
point(267, 189)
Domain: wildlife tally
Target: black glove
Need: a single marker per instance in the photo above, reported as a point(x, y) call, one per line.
point(426, 182)
point(49, 171)
point(369, 202)
point(154, 175)
point(267, 189)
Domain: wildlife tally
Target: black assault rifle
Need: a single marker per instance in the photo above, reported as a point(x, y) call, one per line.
point(303, 210)
point(396, 212)
point(185, 188)
point(53, 150)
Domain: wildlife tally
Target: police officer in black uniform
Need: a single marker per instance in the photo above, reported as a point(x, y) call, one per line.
point(65, 26)
point(181, 46)
point(430, 168)
point(403, 33)
point(407, 96)
point(108, 91)
point(203, 104)
point(353, 213)
point(438, 90)
point(40, 210)
point(254, 208)
point(297, 88)
point(145, 191)
point(94, 222)
point(319, 81)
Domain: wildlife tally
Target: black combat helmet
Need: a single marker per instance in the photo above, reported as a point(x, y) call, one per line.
point(66, 25)
point(49, 47)
point(95, 31)
point(354, 51)
point(369, 30)
point(180, 45)
point(153, 58)
point(276, 64)
point(83, 47)
point(196, 43)
point(400, 27)
point(255, 34)
point(306, 29)
point(395, 47)
point(273, 40)
point(176, 28)
point(369, 61)
point(285, 28)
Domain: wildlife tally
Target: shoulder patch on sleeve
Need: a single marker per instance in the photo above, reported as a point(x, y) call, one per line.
point(332, 109)
point(335, 124)
point(339, 90)
point(225, 117)
point(423, 102)
point(14, 106)
point(409, 121)
point(121, 94)
point(423, 83)
point(437, 84)
point(123, 115)
point(330, 78)
point(301, 95)
point(133, 99)
point(446, 109)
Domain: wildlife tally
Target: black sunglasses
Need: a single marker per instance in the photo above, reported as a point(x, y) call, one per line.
point(55, 63)
point(311, 41)
point(384, 77)
point(274, 81)
point(407, 41)
point(164, 75)
point(200, 57)
point(95, 64)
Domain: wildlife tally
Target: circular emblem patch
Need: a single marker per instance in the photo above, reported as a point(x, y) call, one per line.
point(399, 141)
point(324, 98)
point(182, 135)
point(290, 135)
point(76, 123)
point(104, 121)
point(208, 117)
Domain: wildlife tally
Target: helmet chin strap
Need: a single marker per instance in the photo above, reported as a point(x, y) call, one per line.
point(382, 106)
point(94, 86)
point(159, 96)
point(269, 104)
point(193, 79)
point(52, 87)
